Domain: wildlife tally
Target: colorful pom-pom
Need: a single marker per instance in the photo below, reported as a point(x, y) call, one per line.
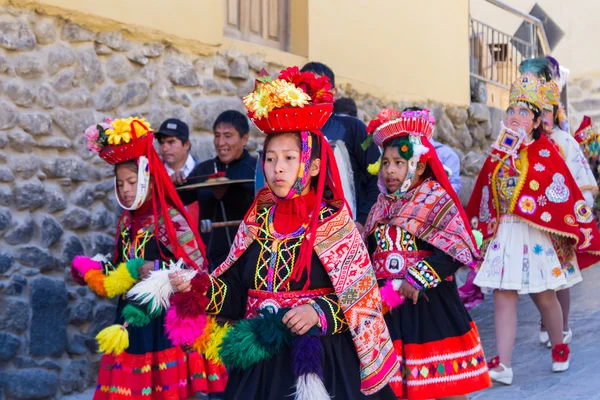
point(113, 340)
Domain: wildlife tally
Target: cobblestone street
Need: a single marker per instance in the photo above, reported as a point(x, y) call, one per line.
point(533, 378)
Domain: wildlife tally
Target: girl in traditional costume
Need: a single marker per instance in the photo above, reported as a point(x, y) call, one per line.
point(153, 235)
point(534, 219)
point(298, 279)
point(418, 236)
point(554, 126)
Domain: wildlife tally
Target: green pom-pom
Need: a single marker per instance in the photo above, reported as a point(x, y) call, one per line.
point(478, 238)
point(133, 265)
point(135, 316)
point(255, 340)
point(405, 148)
point(240, 347)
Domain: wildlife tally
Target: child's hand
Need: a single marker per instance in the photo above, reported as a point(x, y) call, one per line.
point(144, 270)
point(408, 291)
point(300, 319)
point(179, 282)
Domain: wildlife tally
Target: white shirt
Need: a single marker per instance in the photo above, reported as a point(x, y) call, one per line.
point(188, 167)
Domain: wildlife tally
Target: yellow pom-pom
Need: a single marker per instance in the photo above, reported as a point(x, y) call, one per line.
point(118, 281)
point(211, 352)
point(113, 340)
point(373, 169)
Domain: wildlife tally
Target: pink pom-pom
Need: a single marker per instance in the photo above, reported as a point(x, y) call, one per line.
point(82, 265)
point(390, 296)
point(183, 331)
point(470, 293)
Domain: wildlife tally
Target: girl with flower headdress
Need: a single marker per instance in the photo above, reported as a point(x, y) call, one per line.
point(418, 236)
point(153, 237)
point(554, 124)
point(534, 218)
point(297, 281)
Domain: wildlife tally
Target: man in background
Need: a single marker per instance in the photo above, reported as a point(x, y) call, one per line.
point(174, 147)
point(345, 106)
point(353, 133)
point(225, 202)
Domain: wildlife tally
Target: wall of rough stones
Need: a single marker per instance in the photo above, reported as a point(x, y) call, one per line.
point(584, 99)
point(56, 198)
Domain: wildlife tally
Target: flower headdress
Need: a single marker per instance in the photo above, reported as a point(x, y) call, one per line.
point(131, 139)
point(408, 128)
point(586, 132)
point(299, 102)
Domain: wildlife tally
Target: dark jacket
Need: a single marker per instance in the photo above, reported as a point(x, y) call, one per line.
point(352, 132)
point(236, 201)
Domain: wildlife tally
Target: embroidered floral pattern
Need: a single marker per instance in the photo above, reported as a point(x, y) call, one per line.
point(527, 204)
point(546, 217)
point(545, 153)
point(538, 249)
point(495, 245)
point(474, 223)
point(558, 192)
point(534, 185)
point(492, 225)
point(557, 272)
point(570, 220)
point(539, 167)
point(542, 200)
point(583, 212)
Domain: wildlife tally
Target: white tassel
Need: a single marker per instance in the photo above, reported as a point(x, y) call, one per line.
point(310, 387)
point(157, 287)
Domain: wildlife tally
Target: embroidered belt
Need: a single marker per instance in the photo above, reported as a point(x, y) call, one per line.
point(393, 264)
point(259, 299)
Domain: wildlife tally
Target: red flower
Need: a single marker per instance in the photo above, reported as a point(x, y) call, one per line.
point(302, 80)
point(289, 74)
point(494, 362)
point(560, 352)
point(320, 90)
point(374, 124)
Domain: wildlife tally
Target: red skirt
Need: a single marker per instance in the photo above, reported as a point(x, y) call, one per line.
point(170, 374)
point(449, 367)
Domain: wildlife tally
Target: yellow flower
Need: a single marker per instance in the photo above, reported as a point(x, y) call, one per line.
point(121, 130)
point(260, 103)
point(290, 94)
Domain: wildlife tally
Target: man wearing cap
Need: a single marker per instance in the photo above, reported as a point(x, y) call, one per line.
point(224, 202)
point(174, 140)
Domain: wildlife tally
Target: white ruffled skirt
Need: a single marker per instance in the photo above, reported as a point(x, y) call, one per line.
point(522, 258)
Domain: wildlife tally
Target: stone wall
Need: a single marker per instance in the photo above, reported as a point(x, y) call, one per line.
point(584, 99)
point(56, 198)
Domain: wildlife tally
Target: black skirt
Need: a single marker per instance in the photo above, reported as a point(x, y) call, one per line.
point(273, 380)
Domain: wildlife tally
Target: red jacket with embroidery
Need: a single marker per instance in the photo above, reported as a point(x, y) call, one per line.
point(546, 196)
